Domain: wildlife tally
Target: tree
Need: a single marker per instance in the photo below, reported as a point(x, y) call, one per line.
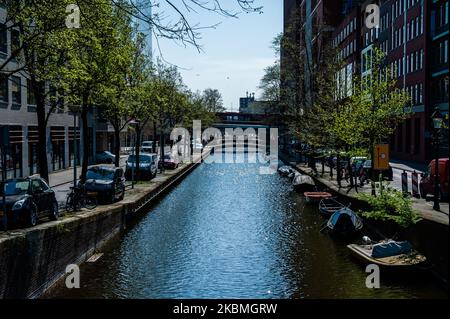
point(373, 110)
point(270, 84)
point(93, 53)
point(39, 54)
point(213, 100)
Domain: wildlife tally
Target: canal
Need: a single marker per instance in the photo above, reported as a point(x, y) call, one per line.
point(228, 232)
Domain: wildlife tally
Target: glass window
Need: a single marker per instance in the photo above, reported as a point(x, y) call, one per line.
point(16, 89)
point(15, 40)
point(3, 41)
point(36, 186)
point(4, 88)
point(30, 94)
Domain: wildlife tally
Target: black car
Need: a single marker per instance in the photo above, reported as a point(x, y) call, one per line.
point(27, 200)
point(105, 183)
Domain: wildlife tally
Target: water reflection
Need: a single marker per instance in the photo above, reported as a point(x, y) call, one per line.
point(228, 232)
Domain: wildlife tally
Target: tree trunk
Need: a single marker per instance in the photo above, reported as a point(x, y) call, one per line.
point(137, 150)
point(84, 122)
point(42, 128)
point(117, 146)
point(338, 167)
point(155, 139)
point(372, 171)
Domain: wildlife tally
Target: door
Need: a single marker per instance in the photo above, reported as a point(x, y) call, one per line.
point(47, 197)
point(38, 195)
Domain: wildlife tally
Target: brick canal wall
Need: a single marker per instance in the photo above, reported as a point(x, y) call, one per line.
point(34, 259)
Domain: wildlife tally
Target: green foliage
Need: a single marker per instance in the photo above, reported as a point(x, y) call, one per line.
point(391, 205)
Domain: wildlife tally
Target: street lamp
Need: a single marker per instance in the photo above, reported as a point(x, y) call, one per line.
point(437, 125)
point(133, 122)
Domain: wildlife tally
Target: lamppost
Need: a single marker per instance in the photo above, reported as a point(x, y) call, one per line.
point(133, 123)
point(437, 125)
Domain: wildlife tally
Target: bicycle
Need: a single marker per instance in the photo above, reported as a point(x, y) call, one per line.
point(78, 198)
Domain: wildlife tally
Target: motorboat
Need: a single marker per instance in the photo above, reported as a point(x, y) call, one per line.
point(303, 183)
point(328, 206)
point(316, 197)
point(344, 222)
point(388, 253)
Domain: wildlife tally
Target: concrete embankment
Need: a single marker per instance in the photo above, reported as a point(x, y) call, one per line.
point(429, 236)
point(34, 259)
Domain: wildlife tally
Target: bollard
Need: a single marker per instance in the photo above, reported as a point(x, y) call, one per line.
point(405, 182)
point(415, 185)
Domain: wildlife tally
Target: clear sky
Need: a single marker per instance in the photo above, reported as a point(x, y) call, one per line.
point(235, 53)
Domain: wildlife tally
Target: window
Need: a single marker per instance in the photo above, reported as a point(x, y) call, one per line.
point(417, 26)
point(421, 59)
point(30, 94)
point(16, 89)
point(446, 51)
point(4, 91)
point(420, 93)
point(15, 40)
point(3, 41)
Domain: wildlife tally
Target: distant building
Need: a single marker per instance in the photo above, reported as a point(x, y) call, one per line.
point(244, 102)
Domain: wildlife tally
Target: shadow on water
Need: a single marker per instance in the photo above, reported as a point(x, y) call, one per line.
point(227, 231)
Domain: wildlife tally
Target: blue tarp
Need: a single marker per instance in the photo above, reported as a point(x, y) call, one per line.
point(391, 248)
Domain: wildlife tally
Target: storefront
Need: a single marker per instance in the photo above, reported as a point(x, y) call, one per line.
point(13, 153)
point(58, 148)
point(74, 136)
point(33, 138)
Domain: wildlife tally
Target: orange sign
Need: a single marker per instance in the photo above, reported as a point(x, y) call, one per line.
point(381, 157)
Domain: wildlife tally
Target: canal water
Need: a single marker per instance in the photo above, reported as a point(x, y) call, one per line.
point(228, 232)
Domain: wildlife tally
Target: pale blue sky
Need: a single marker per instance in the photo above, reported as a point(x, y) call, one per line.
point(238, 49)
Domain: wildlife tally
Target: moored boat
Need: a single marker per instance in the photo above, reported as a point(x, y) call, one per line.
point(328, 206)
point(344, 222)
point(303, 183)
point(388, 254)
point(316, 197)
point(284, 170)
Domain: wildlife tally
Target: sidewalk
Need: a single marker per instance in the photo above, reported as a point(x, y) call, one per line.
point(421, 205)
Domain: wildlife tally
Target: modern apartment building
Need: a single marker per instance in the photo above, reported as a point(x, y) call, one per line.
point(414, 36)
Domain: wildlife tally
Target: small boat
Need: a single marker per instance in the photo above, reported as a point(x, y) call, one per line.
point(344, 222)
point(389, 253)
point(328, 206)
point(315, 197)
point(303, 183)
point(284, 170)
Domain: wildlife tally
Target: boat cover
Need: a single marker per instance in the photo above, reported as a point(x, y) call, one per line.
point(303, 179)
point(391, 248)
point(344, 214)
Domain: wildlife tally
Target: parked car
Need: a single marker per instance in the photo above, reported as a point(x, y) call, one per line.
point(426, 185)
point(169, 161)
point(105, 157)
point(147, 166)
point(28, 200)
point(387, 174)
point(147, 147)
point(107, 184)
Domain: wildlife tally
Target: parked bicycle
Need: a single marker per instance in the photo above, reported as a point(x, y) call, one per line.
point(78, 198)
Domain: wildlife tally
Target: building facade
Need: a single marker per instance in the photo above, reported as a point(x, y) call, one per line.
point(414, 36)
point(18, 112)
